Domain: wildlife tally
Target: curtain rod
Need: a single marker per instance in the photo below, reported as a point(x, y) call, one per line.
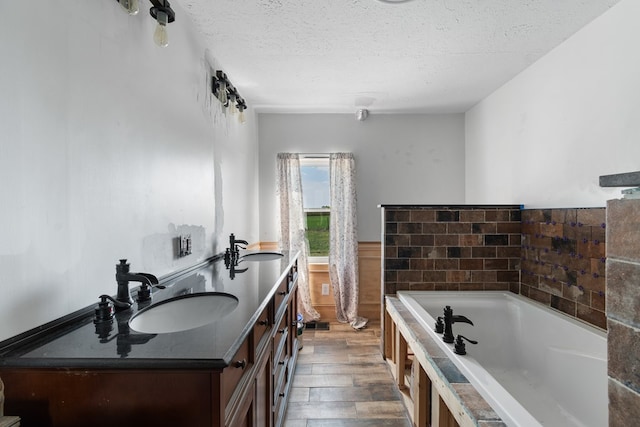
point(315, 155)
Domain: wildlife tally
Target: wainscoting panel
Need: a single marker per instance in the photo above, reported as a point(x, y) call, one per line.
point(369, 268)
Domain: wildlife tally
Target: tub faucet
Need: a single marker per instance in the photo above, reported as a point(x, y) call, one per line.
point(450, 319)
point(124, 276)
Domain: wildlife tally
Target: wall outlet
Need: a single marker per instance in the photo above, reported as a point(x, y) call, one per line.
point(325, 289)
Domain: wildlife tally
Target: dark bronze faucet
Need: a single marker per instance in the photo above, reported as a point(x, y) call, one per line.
point(232, 253)
point(124, 276)
point(234, 245)
point(450, 319)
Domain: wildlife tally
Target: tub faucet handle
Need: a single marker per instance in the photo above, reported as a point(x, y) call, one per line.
point(460, 346)
point(439, 325)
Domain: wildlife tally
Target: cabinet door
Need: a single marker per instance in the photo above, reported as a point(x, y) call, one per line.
point(244, 417)
point(264, 393)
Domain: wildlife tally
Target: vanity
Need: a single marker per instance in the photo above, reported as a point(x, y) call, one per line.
point(236, 371)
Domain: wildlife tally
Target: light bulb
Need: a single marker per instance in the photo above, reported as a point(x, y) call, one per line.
point(131, 6)
point(241, 118)
point(222, 92)
point(160, 36)
point(232, 104)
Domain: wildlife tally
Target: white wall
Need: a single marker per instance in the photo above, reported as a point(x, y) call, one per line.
point(110, 148)
point(545, 137)
point(399, 159)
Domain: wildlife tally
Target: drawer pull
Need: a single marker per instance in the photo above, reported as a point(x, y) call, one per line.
point(263, 322)
point(241, 363)
point(282, 293)
point(283, 330)
point(281, 362)
point(281, 395)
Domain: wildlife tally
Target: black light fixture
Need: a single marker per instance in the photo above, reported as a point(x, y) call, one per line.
point(162, 12)
point(241, 107)
point(227, 94)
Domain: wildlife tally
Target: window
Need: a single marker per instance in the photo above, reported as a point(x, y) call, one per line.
point(315, 194)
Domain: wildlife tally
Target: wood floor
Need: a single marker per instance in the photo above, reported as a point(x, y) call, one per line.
point(342, 381)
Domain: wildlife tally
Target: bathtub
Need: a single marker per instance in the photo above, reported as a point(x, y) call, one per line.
point(534, 366)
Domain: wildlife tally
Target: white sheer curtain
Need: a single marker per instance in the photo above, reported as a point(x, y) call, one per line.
point(343, 239)
point(292, 226)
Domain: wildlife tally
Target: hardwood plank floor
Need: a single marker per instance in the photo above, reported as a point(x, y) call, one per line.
point(342, 381)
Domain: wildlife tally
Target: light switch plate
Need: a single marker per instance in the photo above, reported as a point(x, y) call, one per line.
point(185, 245)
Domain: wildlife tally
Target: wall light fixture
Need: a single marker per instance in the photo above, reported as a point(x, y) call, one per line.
point(228, 95)
point(162, 12)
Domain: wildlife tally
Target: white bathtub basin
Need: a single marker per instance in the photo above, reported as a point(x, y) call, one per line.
point(533, 365)
point(183, 312)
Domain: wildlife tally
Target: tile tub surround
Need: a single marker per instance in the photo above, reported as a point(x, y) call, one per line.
point(564, 261)
point(453, 387)
point(553, 256)
point(451, 248)
point(623, 311)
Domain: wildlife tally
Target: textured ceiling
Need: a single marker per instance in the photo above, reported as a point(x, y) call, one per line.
point(416, 56)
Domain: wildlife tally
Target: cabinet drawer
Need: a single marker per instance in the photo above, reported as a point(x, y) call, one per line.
point(280, 401)
point(260, 330)
point(281, 295)
point(232, 374)
point(280, 338)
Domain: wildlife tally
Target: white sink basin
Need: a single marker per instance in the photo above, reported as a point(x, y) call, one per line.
point(183, 312)
point(261, 256)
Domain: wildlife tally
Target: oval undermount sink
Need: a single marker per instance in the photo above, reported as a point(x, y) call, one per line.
point(261, 256)
point(183, 312)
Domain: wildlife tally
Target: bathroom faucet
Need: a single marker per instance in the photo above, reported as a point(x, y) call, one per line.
point(450, 319)
point(124, 276)
point(234, 245)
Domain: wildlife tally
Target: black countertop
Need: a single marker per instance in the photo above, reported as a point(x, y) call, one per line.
point(83, 344)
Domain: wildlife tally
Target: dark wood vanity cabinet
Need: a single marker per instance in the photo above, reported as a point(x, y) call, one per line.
point(250, 392)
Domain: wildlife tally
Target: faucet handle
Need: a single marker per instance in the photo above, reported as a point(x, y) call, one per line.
point(144, 292)
point(104, 309)
point(439, 328)
point(123, 267)
point(460, 346)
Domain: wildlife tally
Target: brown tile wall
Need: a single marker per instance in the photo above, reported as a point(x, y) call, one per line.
point(554, 256)
point(623, 311)
point(564, 259)
point(584, 262)
point(451, 248)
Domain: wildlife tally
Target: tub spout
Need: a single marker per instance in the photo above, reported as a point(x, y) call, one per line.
point(457, 319)
point(449, 320)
